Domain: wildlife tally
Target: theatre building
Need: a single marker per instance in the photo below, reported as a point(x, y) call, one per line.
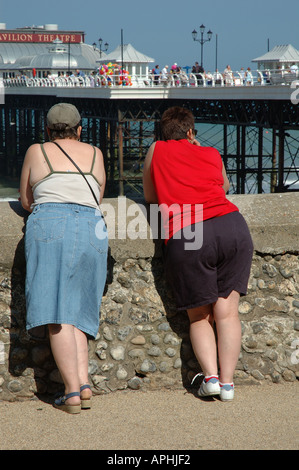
point(40, 51)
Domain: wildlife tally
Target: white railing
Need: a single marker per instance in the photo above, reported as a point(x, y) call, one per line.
point(217, 79)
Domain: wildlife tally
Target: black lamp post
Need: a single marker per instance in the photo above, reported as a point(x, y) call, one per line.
point(106, 45)
point(202, 41)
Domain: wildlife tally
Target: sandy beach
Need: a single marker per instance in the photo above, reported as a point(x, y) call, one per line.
point(261, 417)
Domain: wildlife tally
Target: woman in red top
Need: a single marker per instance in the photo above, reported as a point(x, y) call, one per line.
point(208, 274)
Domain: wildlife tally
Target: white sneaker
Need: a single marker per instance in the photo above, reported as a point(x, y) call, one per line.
point(209, 387)
point(227, 392)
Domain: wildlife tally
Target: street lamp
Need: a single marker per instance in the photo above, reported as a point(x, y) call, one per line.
point(100, 46)
point(106, 46)
point(202, 41)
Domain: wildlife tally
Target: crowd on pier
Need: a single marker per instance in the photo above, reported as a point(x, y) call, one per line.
point(227, 77)
point(110, 75)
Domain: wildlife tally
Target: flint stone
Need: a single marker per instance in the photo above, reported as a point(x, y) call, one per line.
point(118, 353)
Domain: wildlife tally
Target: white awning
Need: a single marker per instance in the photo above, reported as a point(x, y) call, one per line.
point(285, 53)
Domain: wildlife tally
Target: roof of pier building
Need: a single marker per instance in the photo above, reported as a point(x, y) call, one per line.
point(81, 56)
point(56, 58)
point(127, 54)
point(284, 54)
point(33, 45)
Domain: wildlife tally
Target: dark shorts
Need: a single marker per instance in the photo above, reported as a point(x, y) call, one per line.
point(222, 264)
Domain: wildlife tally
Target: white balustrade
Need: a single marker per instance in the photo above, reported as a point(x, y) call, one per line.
point(216, 79)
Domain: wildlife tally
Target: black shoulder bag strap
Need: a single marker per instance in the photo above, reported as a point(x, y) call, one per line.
point(94, 196)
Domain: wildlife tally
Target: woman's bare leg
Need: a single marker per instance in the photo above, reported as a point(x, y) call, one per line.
point(82, 359)
point(228, 325)
point(203, 338)
point(64, 349)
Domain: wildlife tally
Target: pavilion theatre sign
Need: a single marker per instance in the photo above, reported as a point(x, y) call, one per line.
point(40, 37)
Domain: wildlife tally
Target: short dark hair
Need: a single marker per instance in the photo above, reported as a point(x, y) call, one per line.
point(62, 131)
point(176, 122)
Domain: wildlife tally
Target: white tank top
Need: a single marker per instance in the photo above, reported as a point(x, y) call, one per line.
point(66, 187)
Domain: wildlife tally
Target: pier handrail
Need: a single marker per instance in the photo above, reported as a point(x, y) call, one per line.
point(215, 79)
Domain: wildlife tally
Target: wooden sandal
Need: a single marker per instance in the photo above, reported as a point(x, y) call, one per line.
point(85, 402)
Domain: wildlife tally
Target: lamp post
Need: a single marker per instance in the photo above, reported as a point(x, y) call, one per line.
point(100, 40)
point(202, 41)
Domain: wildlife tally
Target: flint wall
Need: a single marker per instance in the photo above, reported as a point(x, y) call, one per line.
point(143, 343)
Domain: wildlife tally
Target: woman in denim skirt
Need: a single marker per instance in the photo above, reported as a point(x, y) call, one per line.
point(66, 247)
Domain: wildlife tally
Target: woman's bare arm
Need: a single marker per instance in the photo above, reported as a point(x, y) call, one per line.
point(148, 186)
point(226, 183)
point(26, 194)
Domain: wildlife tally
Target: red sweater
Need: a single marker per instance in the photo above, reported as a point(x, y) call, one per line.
point(186, 175)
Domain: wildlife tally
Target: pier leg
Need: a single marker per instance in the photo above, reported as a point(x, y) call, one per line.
point(281, 161)
point(121, 159)
point(260, 162)
point(274, 170)
point(238, 159)
point(243, 160)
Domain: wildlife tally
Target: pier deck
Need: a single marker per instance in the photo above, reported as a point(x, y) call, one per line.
point(123, 121)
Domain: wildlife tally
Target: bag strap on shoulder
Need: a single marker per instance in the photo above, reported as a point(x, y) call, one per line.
point(80, 171)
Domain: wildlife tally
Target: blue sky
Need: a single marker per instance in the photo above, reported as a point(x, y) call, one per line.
point(162, 28)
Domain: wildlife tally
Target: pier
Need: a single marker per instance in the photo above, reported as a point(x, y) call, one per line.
point(124, 120)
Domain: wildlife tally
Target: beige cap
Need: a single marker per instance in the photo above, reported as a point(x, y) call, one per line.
point(63, 113)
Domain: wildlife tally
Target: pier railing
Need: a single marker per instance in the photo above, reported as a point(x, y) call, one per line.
point(217, 79)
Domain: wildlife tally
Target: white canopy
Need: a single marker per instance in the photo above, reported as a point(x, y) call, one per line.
point(279, 55)
point(128, 54)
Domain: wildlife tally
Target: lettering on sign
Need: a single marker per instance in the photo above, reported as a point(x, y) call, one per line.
point(40, 37)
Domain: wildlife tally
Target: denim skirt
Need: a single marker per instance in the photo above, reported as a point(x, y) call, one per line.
point(66, 248)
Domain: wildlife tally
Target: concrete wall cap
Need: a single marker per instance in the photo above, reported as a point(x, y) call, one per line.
point(273, 220)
